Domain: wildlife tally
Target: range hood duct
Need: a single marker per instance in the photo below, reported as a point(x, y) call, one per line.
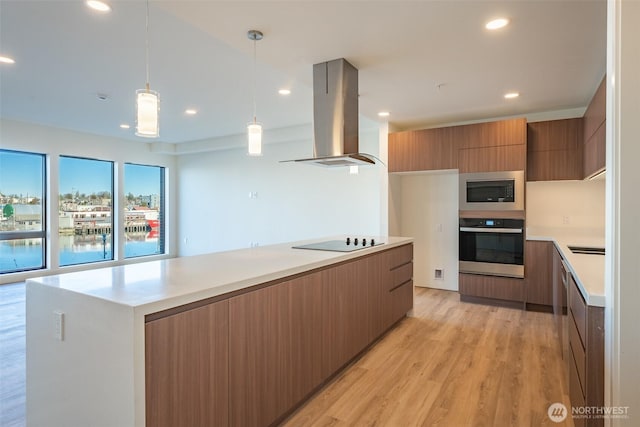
point(335, 116)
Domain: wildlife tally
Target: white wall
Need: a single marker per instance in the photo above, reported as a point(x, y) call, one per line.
point(425, 206)
point(566, 204)
point(54, 142)
point(622, 335)
point(294, 201)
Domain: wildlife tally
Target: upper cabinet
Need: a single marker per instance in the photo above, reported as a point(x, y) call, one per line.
point(482, 147)
point(554, 150)
point(492, 146)
point(594, 157)
point(420, 150)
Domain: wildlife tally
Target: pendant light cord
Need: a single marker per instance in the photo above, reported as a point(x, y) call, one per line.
point(254, 80)
point(147, 44)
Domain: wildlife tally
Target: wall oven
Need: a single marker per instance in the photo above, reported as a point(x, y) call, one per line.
point(491, 191)
point(492, 247)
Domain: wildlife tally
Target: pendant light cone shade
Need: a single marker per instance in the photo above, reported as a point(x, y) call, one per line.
point(254, 132)
point(147, 107)
point(254, 129)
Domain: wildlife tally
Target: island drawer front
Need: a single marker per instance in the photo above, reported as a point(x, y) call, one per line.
point(401, 300)
point(401, 255)
point(578, 309)
point(401, 275)
point(578, 352)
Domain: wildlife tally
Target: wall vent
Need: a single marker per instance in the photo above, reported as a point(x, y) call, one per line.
point(438, 274)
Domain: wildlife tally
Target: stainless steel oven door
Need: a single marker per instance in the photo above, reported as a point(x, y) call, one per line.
point(492, 251)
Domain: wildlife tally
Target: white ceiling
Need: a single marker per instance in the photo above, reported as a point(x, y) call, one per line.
point(553, 53)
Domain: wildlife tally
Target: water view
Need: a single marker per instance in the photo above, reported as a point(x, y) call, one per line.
point(86, 215)
point(28, 253)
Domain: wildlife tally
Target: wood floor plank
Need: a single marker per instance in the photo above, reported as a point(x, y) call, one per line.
point(12, 355)
point(451, 364)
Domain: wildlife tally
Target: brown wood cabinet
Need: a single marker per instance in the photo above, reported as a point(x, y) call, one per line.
point(186, 371)
point(491, 134)
point(492, 146)
point(422, 150)
point(492, 159)
point(594, 157)
point(538, 273)
point(554, 150)
point(250, 359)
point(586, 354)
point(481, 147)
point(275, 348)
point(595, 153)
point(559, 296)
point(493, 287)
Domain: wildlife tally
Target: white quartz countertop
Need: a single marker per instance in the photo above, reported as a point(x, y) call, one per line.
point(158, 285)
point(587, 269)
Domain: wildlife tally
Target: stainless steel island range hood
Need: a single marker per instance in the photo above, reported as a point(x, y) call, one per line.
point(335, 116)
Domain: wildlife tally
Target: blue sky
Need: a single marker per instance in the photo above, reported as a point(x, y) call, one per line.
point(22, 174)
point(84, 176)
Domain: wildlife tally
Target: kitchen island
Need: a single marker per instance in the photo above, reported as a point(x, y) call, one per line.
point(231, 338)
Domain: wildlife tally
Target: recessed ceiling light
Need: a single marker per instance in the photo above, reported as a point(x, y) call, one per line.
point(98, 5)
point(7, 60)
point(124, 126)
point(511, 95)
point(284, 92)
point(383, 114)
point(191, 111)
point(497, 24)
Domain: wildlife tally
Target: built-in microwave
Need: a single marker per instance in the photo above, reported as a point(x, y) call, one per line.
point(492, 191)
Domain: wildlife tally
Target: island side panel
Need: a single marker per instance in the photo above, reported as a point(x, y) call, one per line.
point(86, 379)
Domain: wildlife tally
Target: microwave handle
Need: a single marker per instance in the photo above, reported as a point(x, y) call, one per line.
point(492, 230)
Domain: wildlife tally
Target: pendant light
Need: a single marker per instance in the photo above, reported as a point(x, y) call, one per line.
point(254, 129)
point(147, 100)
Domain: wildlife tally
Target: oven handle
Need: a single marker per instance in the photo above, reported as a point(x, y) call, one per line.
point(492, 230)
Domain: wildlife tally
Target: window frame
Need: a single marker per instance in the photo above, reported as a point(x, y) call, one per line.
point(114, 204)
point(40, 234)
point(161, 213)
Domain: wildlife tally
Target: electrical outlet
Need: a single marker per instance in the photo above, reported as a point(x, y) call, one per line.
point(58, 325)
point(566, 220)
point(439, 228)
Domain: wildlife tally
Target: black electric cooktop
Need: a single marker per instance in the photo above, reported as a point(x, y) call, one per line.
point(346, 245)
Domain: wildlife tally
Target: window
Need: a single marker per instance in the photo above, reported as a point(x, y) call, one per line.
point(144, 210)
point(85, 189)
point(22, 225)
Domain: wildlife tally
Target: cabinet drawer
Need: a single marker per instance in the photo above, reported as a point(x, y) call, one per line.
point(504, 288)
point(579, 309)
point(400, 275)
point(401, 300)
point(578, 352)
point(400, 256)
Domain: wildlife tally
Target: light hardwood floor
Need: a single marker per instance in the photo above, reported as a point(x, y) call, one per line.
point(12, 355)
point(451, 364)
